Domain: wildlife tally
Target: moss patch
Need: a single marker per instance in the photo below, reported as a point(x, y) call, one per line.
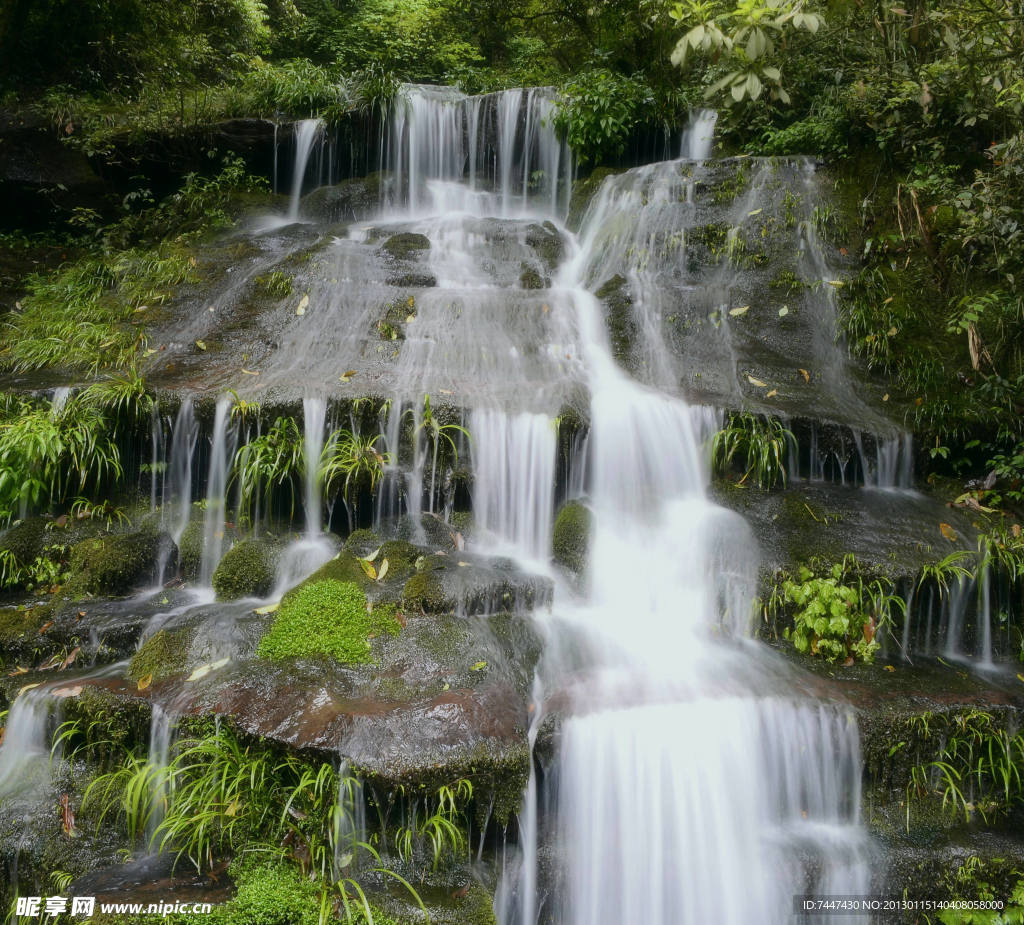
point(570, 540)
point(327, 618)
point(246, 570)
point(113, 564)
point(163, 655)
point(405, 245)
point(190, 550)
point(24, 540)
point(424, 593)
point(622, 329)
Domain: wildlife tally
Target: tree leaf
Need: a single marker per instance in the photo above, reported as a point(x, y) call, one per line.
point(742, 310)
point(806, 375)
point(383, 570)
point(270, 608)
point(303, 305)
point(145, 682)
point(948, 532)
point(757, 382)
point(479, 666)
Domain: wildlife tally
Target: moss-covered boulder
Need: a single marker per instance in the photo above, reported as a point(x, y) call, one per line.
point(25, 540)
point(405, 245)
point(327, 618)
point(247, 570)
point(355, 199)
point(190, 550)
point(622, 327)
point(163, 655)
point(115, 563)
point(570, 538)
point(424, 593)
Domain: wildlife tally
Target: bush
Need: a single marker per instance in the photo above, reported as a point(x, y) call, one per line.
point(598, 111)
point(327, 618)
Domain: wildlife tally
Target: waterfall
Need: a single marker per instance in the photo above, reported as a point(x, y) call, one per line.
point(514, 478)
point(161, 725)
point(699, 135)
point(25, 749)
point(503, 143)
point(314, 411)
point(222, 451)
point(176, 501)
point(308, 133)
point(691, 784)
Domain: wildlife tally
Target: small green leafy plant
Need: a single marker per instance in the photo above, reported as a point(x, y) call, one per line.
point(761, 443)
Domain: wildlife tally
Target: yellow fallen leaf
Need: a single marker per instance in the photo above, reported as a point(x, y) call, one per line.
point(28, 687)
point(1020, 677)
point(891, 332)
point(755, 212)
point(368, 568)
point(348, 374)
point(373, 555)
point(220, 663)
point(232, 808)
point(409, 319)
point(250, 372)
point(145, 682)
point(200, 672)
point(412, 301)
point(948, 532)
point(201, 345)
point(270, 608)
point(885, 397)
point(890, 668)
point(806, 375)
point(887, 301)
point(464, 564)
point(772, 393)
point(1015, 530)
point(835, 282)
point(783, 311)
point(383, 570)
point(743, 309)
point(756, 382)
point(303, 305)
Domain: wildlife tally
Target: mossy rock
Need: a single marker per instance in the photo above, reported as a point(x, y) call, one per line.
point(583, 191)
point(405, 245)
point(530, 278)
point(190, 550)
point(25, 540)
point(163, 655)
point(355, 199)
point(327, 618)
point(362, 541)
point(424, 593)
point(343, 567)
point(570, 539)
point(622, 328)
point(547, 243)
point(114, 564)
point(247, 570)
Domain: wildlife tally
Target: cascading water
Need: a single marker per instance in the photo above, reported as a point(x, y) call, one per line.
point(503, 144)
point(699, 135)
point(176, 503)
point(26, 747)
point(222, 451)
point(314, 417)
point(308, 133)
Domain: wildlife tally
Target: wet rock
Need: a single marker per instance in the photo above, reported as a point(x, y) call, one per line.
point(622, 328)
point(424, 593)
point(247, 570)
point(24, 541)
point(570, 538)
point(584, 190)
point(353, 200)
point(163, 655)
point(116, 563)
point(405, 245)
point(546, 241)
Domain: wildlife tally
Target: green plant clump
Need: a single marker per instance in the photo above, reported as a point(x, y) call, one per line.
point(327, 618)
point(831, 620)
point(763, 443)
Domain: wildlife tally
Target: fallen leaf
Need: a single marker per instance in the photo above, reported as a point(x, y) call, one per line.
point(63, 692)
point(348, 374)
point(783, 311)
point(17, 671)
point(948, 532)
point(755, 212)
point(412, 301)
point(887, 301)
point(806, 375)
point(201, 672)
point(250, 372)
point(368, 568)
point(1020, 677)
point(28, 687)
point(409, 319)
point(72, 655)
point(836, 282)
point(465, 564)
point(756, 382)
point(446, 391)
point(220, 663)
point(45, 627)
point(743, 309)
point(270, 608)
point(145, 682)
point(892, 332)
point(479, 666)
point(373, 555)
point(772, 393)
point(201, 345)
point(383, 570)
point(844, 251)
point(1015, 530)
point(885, 397)
point(890, 668)
point(303, 305)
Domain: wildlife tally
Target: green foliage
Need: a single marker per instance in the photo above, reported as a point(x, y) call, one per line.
point(747, 38)
point(327, 618)
point(437, 827)
point(838, 615)
point(598, 111)
point(350, 462)
point(46, 456)
point(763, 443)
point(269, 462)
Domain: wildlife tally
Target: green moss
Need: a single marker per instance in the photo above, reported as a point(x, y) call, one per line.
point(622, 330)
point(18, 622)
point(529, 278)
point(788, 281)
point(24, 540)
point(570, 540)
point(246, 570)
point(190, 550)
point(162, 655)
point(113, 564)
point(343, 567)
point(327, 618)
point(276, 285)
point(424, 593)
point(362, 541)
point(405, 244)
point(268, 893)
